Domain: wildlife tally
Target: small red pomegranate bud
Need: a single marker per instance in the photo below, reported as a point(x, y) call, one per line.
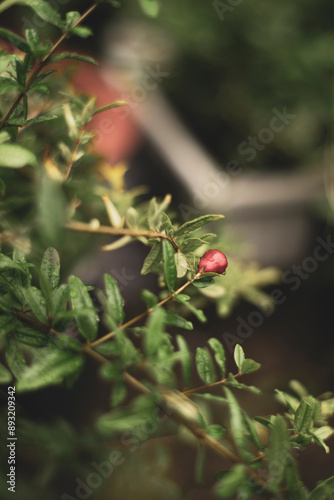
point(213, 261)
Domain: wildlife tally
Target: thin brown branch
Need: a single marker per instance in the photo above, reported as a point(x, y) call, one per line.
point(143, 314)
point(84, 227)
point(208, 386)
point(41, 65)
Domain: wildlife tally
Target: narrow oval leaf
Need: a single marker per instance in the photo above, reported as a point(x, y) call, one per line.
point(12, 38)
point(153, 258)
point(149, 298)
point(73, 55)
point(324, 490)
point(29, 336)
point(154, 332)
point(193, 225)
point(277, 452)
point(86, 317)
point(237, 426)
point(14, 357)
point(205, 366)
point(44, 10)
point(113, 105)
point(50, 267)
point(169, 265)
point(51, 367)
point(15, 156)
point(219, 354)
point(176, 320)
point(60, 299)
point(249, 366)
point(181, 264)
point(230, 484)
point(303, 417)
point(216, 431)
point(114, 299)
point(118, 394)
point(239, 356)
point(37, 302)
point(185, 359)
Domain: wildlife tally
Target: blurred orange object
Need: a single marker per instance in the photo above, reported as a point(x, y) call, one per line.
point(117, 134)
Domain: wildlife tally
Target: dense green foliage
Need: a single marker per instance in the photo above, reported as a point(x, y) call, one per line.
point(50, 325)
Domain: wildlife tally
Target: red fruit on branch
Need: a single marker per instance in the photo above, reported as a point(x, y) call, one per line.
point(213, 261)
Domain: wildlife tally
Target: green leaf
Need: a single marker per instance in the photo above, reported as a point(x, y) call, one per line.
point(81, 31)
point(324, 490)
point(205, 367)
point(4, 137)
point(254, 437)
point(15, 156)
point(193, 225)
point(192, 244)
point(237, 426)
point(277, 452)
point(128, 419)
point(295, 488)
point(49, 367)
point(44, 10)
point(239, 356)
point(169, 264)
point(234, 383)
point(8, 85)
point(153, 258)
point(38, 48)
point(197, 312)
point(110, 371)
point(73, 55)
point(286, 399)
point(5, 375)
point(7, 323)
point(119, 393)
point(59, 300)
point(318, 439)
point(156, 211)
point(230, 484)
point(31, 337)
point(185, 359)
point(176, 320)
point(114, 299)
point(37, 302)
point(71, 18)
point(127, 351)
point(303, 417)
point(113, 105)
point(86, 317)
point(216, 431)
point(181, 264)
point(15, 358)
point(324, 432)
point(150, 7)
point(50, 267)
point(12, 38)
point(249, 366)
point(149, 298)
point(298, 388)
point(154, 334)
point(218, 349)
